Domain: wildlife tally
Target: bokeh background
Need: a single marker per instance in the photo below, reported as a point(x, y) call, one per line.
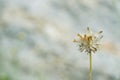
point(36, 39)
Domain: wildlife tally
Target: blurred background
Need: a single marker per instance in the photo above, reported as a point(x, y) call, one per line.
point(36, 39)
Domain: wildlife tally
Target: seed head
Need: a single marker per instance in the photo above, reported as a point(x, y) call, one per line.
point(89, 42)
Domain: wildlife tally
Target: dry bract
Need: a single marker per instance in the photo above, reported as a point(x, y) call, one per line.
point(89, 42)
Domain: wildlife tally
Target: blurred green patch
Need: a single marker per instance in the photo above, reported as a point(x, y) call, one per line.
point(5, 77)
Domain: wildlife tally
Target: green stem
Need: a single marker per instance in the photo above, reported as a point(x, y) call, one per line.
point(90, 73)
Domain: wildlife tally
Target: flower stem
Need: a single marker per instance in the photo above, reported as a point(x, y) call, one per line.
point(90, 72)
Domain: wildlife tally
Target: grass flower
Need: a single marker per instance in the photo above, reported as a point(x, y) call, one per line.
point(89, 43)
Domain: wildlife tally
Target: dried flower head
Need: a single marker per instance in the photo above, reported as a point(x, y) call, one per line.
point(89, 42)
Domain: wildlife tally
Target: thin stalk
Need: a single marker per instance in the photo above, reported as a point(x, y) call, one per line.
point(90, 72)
